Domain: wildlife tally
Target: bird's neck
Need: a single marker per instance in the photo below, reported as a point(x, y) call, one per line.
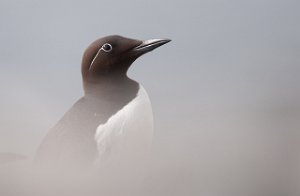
point(109, 86)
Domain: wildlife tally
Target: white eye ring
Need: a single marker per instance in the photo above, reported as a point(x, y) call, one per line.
point(106, 47)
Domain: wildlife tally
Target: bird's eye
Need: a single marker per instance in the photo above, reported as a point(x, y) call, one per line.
point(106, 47)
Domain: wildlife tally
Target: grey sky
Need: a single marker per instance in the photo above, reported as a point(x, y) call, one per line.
point(225, 91)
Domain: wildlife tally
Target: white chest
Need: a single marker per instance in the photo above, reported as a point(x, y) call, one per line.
point(128, 132)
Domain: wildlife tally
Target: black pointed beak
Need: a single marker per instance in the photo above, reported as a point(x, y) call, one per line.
point(149, 45)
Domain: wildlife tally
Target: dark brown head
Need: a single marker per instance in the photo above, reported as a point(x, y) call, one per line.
point(111, 56)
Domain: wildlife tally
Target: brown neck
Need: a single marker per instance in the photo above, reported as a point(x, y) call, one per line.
point(109, 86)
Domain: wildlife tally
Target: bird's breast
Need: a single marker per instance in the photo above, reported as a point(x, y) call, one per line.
point(128, 132)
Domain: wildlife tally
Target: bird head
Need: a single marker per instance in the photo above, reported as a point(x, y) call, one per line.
point(111, 56)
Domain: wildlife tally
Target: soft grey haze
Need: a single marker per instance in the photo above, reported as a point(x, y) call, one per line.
point(225, 92)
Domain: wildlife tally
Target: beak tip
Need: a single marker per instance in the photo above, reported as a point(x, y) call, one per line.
point(165, 40)
point(168, 40)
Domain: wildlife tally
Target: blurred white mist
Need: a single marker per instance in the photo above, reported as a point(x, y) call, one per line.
point(225, 92)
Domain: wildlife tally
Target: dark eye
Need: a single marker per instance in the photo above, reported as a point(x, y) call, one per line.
point(106, 47)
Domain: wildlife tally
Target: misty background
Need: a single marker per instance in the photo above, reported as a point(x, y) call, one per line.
point(225, 92)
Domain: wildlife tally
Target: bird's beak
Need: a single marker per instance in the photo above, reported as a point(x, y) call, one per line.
point(149, 45)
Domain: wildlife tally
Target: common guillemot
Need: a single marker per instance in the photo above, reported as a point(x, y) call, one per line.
point(113, 120)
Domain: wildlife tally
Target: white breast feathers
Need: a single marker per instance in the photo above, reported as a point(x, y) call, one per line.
point(128, 133)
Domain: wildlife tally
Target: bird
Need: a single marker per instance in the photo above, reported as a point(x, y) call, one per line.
point(113, 120)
